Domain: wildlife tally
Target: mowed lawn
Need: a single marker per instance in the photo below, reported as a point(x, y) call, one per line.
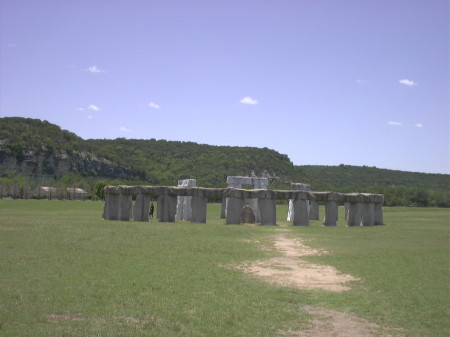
point(66, 272)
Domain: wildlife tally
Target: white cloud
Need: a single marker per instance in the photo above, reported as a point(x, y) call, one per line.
point(94, 70)
point(93, 107)
point(90, 116)
point(418, 125)
point(395, 123)
point(362, 82)
point(124, 129)
point(80, 109)
point(407, 82)
point(248, 100)
point(153, 105)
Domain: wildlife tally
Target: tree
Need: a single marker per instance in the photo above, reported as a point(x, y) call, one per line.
point(98, 189)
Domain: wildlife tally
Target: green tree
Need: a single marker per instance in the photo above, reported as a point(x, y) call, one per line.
point(98, 191)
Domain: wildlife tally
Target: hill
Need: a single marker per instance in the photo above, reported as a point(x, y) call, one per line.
point(349, 178)
point(39, 151)
point(165, 162)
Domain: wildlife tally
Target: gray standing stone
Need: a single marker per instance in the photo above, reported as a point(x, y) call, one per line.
point(184, 210)
point(346, 208)
point(378, 214)
point(268, 211)
point(111, 210)
point(300, 212)
point(166, 208)
point(233, 213)
point(125, 207)
point(296, 187)
point(368, 214)
point(331, 213)
point(355, 214)
point(141, 207)
point(199, 207)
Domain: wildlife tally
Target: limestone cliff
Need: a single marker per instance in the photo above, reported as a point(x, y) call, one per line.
point(57, 164)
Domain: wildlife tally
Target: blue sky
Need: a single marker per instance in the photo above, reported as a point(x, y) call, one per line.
point(357, 82)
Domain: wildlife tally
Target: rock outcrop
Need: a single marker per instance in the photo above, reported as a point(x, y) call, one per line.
point(57, 164)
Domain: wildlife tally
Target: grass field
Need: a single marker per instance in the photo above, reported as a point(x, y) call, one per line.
point(66, 272)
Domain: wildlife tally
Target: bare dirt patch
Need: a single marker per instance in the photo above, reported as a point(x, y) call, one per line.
point(330, 323)
point(293, 271)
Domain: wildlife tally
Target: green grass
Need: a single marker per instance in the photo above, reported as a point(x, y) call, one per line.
point(66, 272)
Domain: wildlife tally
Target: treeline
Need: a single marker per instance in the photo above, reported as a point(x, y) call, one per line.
point(161, 162)
point(20, 187)
point(399, 188)
point(356, 177)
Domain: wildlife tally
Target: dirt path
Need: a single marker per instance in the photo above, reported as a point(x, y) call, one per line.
point(330, 323)
point(293, 271)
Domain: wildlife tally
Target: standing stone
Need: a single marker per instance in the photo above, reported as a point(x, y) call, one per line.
point(355, 214)
point(296, 187)
point(368, 214)
point(331, 213)
point(199, 207)
point(184, 210)
point(378, 214)
point(300, 212)
point(346, 208)
point(258, 184)
point(313, 210)
point(234, 208)
point(111, 210)
point(125, 207)
point(166, 208)
point(268, 211)
point(141, 207)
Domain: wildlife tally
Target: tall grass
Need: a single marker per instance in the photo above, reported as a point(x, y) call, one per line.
point(66, 272)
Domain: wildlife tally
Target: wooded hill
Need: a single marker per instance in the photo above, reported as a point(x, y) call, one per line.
point(38, 150)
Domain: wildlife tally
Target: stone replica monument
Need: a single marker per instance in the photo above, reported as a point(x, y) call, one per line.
point(184, 209)
point(237, 182)
point(364, 209)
